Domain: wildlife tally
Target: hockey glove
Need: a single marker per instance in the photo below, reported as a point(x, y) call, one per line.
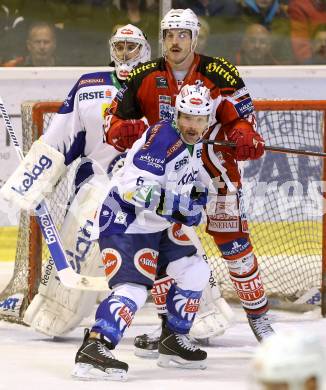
point(123, 134)
point(181, 208)
point(249, 144)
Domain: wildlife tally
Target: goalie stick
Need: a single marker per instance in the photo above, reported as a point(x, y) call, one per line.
point(67, 275)
point(274, 149)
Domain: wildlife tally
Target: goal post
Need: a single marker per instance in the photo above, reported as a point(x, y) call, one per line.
point(287, 226)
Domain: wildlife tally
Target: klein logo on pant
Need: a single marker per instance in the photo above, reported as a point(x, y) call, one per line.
point(146, 262)
point(112, 261)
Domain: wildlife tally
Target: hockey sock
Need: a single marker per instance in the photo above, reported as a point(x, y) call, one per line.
point(182, 306)
point(113, 316)
point(159, 293)
point(245, 276)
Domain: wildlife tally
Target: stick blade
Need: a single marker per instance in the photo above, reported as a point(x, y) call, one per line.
point(71, 279)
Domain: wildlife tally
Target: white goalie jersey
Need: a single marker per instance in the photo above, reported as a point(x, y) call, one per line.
point(77, 132)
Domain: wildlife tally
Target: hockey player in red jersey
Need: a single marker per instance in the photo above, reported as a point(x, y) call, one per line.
point(150, 91)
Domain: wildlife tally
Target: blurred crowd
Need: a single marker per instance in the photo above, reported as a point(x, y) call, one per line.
point(247, 32)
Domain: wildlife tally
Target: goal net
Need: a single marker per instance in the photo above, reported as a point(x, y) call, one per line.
point(283, 199)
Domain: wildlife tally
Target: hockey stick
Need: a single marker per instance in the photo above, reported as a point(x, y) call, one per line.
point(274, 149)
point(67, 275)
point(215, 290)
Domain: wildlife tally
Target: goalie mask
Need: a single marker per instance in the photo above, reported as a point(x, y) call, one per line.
point(288, 358)
point(181, 19)
point(128, 48)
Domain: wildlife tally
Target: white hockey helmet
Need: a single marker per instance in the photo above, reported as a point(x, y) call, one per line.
point(289, 358)
point(184, 19)
point(194, 100)
point(142, 53)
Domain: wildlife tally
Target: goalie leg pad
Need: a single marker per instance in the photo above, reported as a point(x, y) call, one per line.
point(214, 315)
point(56, 310)
point(35, 176)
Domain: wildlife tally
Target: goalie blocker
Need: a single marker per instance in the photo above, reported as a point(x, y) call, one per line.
point(34, 177)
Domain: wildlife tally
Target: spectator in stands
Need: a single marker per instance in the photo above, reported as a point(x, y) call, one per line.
point(12, 29)
point(271, 14)
point(208, 7)
point(319, 46)
point(256, 47)
point(305, 17)
point(264, 12)
point(41, 47)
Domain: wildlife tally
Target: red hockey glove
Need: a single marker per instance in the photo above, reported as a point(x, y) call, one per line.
point(123, 134)
point(249, 144)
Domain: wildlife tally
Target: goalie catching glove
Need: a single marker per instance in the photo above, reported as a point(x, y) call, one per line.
point(249, 145)
point(123, 133)
point(35, 176)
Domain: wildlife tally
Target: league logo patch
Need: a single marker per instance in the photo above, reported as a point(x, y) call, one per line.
point(145, 261)
point(112, 261)
point(161, 82)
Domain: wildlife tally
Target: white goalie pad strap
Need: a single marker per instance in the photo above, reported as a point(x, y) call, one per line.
point(212, 322)
point(35, 176)
point(214, 315)
point(56, 310)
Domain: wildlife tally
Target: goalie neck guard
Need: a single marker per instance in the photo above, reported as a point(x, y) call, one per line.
point(127, 59)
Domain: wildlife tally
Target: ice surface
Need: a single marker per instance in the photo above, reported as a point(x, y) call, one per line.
point(29, 360)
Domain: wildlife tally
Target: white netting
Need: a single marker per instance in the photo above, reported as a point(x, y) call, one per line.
point(283, 201)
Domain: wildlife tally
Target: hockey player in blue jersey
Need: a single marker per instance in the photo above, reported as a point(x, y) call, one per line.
point(76, 133)
point(162, 181)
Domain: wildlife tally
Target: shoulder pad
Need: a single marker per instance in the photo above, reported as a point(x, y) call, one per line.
point(96, 78)
point(161, 142)
point(221, 71)
point(142, 70)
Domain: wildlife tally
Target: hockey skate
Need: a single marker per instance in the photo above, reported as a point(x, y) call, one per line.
point(94, 361)
point(260, 325)
point(146, 345)
point(176, 350)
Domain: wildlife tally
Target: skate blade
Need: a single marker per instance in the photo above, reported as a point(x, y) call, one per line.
point(86, 372)
point(168, 361)
point(146, 353)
